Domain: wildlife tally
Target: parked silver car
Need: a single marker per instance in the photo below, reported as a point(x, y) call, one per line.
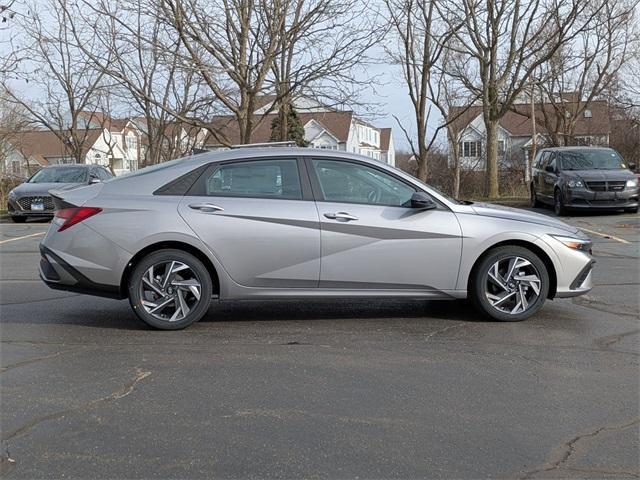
point(298, 223)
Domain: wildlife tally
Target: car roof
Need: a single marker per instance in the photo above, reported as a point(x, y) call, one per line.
point(71, 165)
point(576, 147)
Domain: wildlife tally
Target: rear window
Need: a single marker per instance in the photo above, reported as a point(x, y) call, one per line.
point(261, 178)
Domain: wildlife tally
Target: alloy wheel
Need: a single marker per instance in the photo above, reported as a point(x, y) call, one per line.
point(513, 285)
point(170, 290)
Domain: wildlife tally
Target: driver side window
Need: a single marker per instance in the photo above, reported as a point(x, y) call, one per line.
point(346, 182)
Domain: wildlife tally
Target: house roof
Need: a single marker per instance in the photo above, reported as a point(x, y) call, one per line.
point(518, 123)
point(336, 123)
point(100, 120)
point(43, 144)
point(385, 139)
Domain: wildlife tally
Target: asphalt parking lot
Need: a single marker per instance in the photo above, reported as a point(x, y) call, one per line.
point(344, 389)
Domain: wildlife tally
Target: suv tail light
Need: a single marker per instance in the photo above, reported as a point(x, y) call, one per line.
point(74, 215)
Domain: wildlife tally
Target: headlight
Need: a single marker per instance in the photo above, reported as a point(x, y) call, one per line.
point(575, 184)
point(575, 243)
point(12, 195)
point(632, 183)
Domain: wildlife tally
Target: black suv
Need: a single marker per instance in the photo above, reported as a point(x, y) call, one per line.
point(583, 177)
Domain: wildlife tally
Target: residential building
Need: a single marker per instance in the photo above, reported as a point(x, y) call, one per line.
point(113, 143)
point(515, 132)
point(324, 128)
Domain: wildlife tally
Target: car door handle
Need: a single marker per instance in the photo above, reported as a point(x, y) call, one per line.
point(206, 207)
point(341, 216)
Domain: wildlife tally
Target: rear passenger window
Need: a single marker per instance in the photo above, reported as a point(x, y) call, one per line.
point(261, 178)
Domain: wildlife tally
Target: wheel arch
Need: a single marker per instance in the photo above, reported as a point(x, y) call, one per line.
point(553, 279)
point(177, 245)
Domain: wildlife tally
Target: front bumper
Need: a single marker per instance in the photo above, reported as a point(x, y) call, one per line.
point(582, 284)
point(15, 210)
point(584, 198)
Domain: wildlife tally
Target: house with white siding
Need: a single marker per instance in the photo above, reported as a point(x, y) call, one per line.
point(515, 132)
point(324, 127)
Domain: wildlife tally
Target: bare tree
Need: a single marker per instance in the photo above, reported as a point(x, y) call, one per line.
point(502, 43)
point(147, 64)
point(63, 75)
point(424, 57)
point(13, 121)
point(587, 67)
point(324, 47)
point(231, 44)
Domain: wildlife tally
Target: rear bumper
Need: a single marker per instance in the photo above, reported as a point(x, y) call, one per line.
point(583, 198)
point(59, 275)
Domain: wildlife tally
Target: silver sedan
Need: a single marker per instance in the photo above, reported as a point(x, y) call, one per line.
point(298, 223)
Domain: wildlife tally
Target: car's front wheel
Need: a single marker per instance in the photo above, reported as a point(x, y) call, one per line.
point(509, 284)
point(170, 289)
point(558, 203)
point(535, 203)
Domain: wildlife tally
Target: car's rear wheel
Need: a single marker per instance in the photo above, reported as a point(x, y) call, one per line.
point(558, 203)
point(19, 219)
point(535, 203)
point(509, 284)
point(170, 289)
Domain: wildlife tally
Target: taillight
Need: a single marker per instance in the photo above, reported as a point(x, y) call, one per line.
point(74, 215)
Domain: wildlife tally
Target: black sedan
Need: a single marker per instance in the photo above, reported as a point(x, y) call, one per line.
point(32, 200)
point(583, 178)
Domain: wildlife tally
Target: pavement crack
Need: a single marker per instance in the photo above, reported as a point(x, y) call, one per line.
point(605, 343)
point(117, 395)
point(590, 302)
point(562, 454)
point(38, 359)
point(442, 330)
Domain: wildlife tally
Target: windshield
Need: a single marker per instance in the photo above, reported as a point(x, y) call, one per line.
point(60, 175)
point(591, 160)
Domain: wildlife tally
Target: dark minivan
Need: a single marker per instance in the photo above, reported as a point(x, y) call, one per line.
point(583, 178)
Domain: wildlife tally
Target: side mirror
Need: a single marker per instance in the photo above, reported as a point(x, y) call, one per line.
point(93, 180)
point(422, 201)
point(633, 166)
point(550, 169)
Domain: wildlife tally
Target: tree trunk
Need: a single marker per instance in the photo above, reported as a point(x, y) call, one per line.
point(283, 112)
point(491, 169)
point(455, 156)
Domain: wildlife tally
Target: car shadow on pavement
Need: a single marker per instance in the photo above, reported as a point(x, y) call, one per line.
point(275, 310)
point(121, 317)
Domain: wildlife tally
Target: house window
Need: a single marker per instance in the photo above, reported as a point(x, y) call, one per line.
point(471, 149)
point(132, 142)
point(500, 147)
point(117, 164)
point(588, 113)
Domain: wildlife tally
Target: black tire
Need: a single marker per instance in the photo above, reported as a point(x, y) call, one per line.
point(18, 219)
point(535, 203)
point(631, 210)
point(558, 203)
point(201, 274)
point(479, 279)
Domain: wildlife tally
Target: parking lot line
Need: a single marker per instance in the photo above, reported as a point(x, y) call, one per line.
point(605, 235)
point(21, 238)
